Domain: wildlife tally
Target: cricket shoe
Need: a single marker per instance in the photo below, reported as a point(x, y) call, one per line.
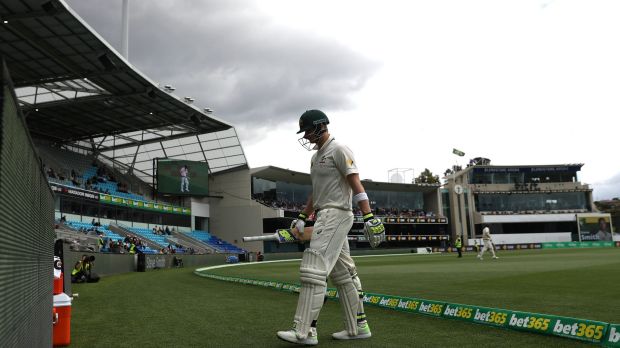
point(495, 257)
point(363, 331)
point(292, 336)
point(480, 257)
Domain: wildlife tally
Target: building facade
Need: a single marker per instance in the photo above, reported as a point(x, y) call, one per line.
point(520, 203)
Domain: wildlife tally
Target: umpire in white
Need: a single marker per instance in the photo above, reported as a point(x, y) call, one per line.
point(335, 186)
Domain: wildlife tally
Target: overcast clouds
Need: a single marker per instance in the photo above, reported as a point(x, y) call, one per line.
point(231, 58)
point(520, 82)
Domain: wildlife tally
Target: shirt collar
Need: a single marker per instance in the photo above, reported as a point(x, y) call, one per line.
point(329, 140)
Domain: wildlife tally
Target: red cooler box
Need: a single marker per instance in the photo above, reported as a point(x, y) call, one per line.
point(62, 320)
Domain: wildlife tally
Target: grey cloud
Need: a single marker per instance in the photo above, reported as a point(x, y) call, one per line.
point(229, 56)
point(607, 189)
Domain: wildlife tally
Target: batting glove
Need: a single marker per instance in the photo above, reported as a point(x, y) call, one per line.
point(374, 230)
point(300, 223)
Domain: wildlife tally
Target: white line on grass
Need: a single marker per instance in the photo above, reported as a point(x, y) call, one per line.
point(291, 260)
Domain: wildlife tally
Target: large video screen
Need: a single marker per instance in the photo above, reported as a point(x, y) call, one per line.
point(182, 178)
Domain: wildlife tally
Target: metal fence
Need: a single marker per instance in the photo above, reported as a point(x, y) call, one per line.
point(26, 232)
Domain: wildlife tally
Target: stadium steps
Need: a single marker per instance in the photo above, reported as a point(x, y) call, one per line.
point(216, 243)
point(75, 237)
point(189, 242)
point(147, 234)
point(126, 231)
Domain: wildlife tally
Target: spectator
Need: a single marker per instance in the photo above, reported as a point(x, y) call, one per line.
point(87, 264)
point(77, 274)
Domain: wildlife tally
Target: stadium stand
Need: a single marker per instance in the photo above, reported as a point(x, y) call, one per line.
point(216, 243)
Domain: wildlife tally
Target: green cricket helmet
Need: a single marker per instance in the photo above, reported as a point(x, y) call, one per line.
point(311, 119)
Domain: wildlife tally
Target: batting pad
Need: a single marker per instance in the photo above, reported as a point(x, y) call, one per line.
point(313, 276)
point(347, 294)
point(360, 294)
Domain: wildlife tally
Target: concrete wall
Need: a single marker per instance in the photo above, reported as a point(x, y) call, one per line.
point(236, 215)
point(518, 238)
point(109, 264)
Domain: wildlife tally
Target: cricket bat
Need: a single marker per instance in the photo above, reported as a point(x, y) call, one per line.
point(282, 235)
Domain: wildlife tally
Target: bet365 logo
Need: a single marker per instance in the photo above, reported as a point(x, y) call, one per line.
point(614, 335)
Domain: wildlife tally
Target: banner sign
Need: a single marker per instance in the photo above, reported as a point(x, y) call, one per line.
point(594, 227)
point(395, 238)
point(497, 247)
point(110, 199)
point(613, 336)
point(563, 245)
point(559, 169)
point(157, 207)
point(74, 192)
point(408, 220)
point(579, 329)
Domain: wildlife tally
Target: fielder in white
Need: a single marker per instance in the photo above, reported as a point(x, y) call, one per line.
point(335, 186)
point(487, 242)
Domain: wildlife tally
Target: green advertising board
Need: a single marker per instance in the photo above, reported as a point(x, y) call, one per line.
point(563, 245)
point(612, 339)
point(578, 329)
point(151, 206)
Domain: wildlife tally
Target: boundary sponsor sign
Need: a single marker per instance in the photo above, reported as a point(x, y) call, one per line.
point(573, 328)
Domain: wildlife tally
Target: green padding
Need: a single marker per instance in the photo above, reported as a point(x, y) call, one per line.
point(562, 245)
point(613, 336)
point(578, 329)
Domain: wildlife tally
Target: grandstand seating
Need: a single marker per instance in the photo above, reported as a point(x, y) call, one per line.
point(63, 161)
point(77, 225)
point(216, 243)
point(161, 240)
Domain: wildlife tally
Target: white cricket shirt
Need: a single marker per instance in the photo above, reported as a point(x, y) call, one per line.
point(329, 168)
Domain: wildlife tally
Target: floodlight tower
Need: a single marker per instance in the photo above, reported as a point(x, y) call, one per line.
point(125, 33)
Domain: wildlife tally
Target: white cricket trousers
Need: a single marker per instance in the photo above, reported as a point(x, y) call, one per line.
point(487, 246)
point(329, 237)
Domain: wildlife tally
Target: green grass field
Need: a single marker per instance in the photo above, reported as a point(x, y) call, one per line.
point(175, 308)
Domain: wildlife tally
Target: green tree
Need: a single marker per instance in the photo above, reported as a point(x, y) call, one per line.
point(427, 177)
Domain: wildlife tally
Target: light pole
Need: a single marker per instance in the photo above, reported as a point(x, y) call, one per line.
point(458, 189)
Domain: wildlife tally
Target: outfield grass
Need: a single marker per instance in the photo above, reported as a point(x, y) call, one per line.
point(175, 308)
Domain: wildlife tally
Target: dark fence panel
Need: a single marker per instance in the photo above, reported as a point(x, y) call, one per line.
point(26, 232)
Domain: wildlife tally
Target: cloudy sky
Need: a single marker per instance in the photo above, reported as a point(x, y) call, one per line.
point(403, 82)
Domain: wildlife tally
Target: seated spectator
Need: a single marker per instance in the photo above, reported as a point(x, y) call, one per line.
point(77, 274)
point(177, 262)
point(87, 265)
